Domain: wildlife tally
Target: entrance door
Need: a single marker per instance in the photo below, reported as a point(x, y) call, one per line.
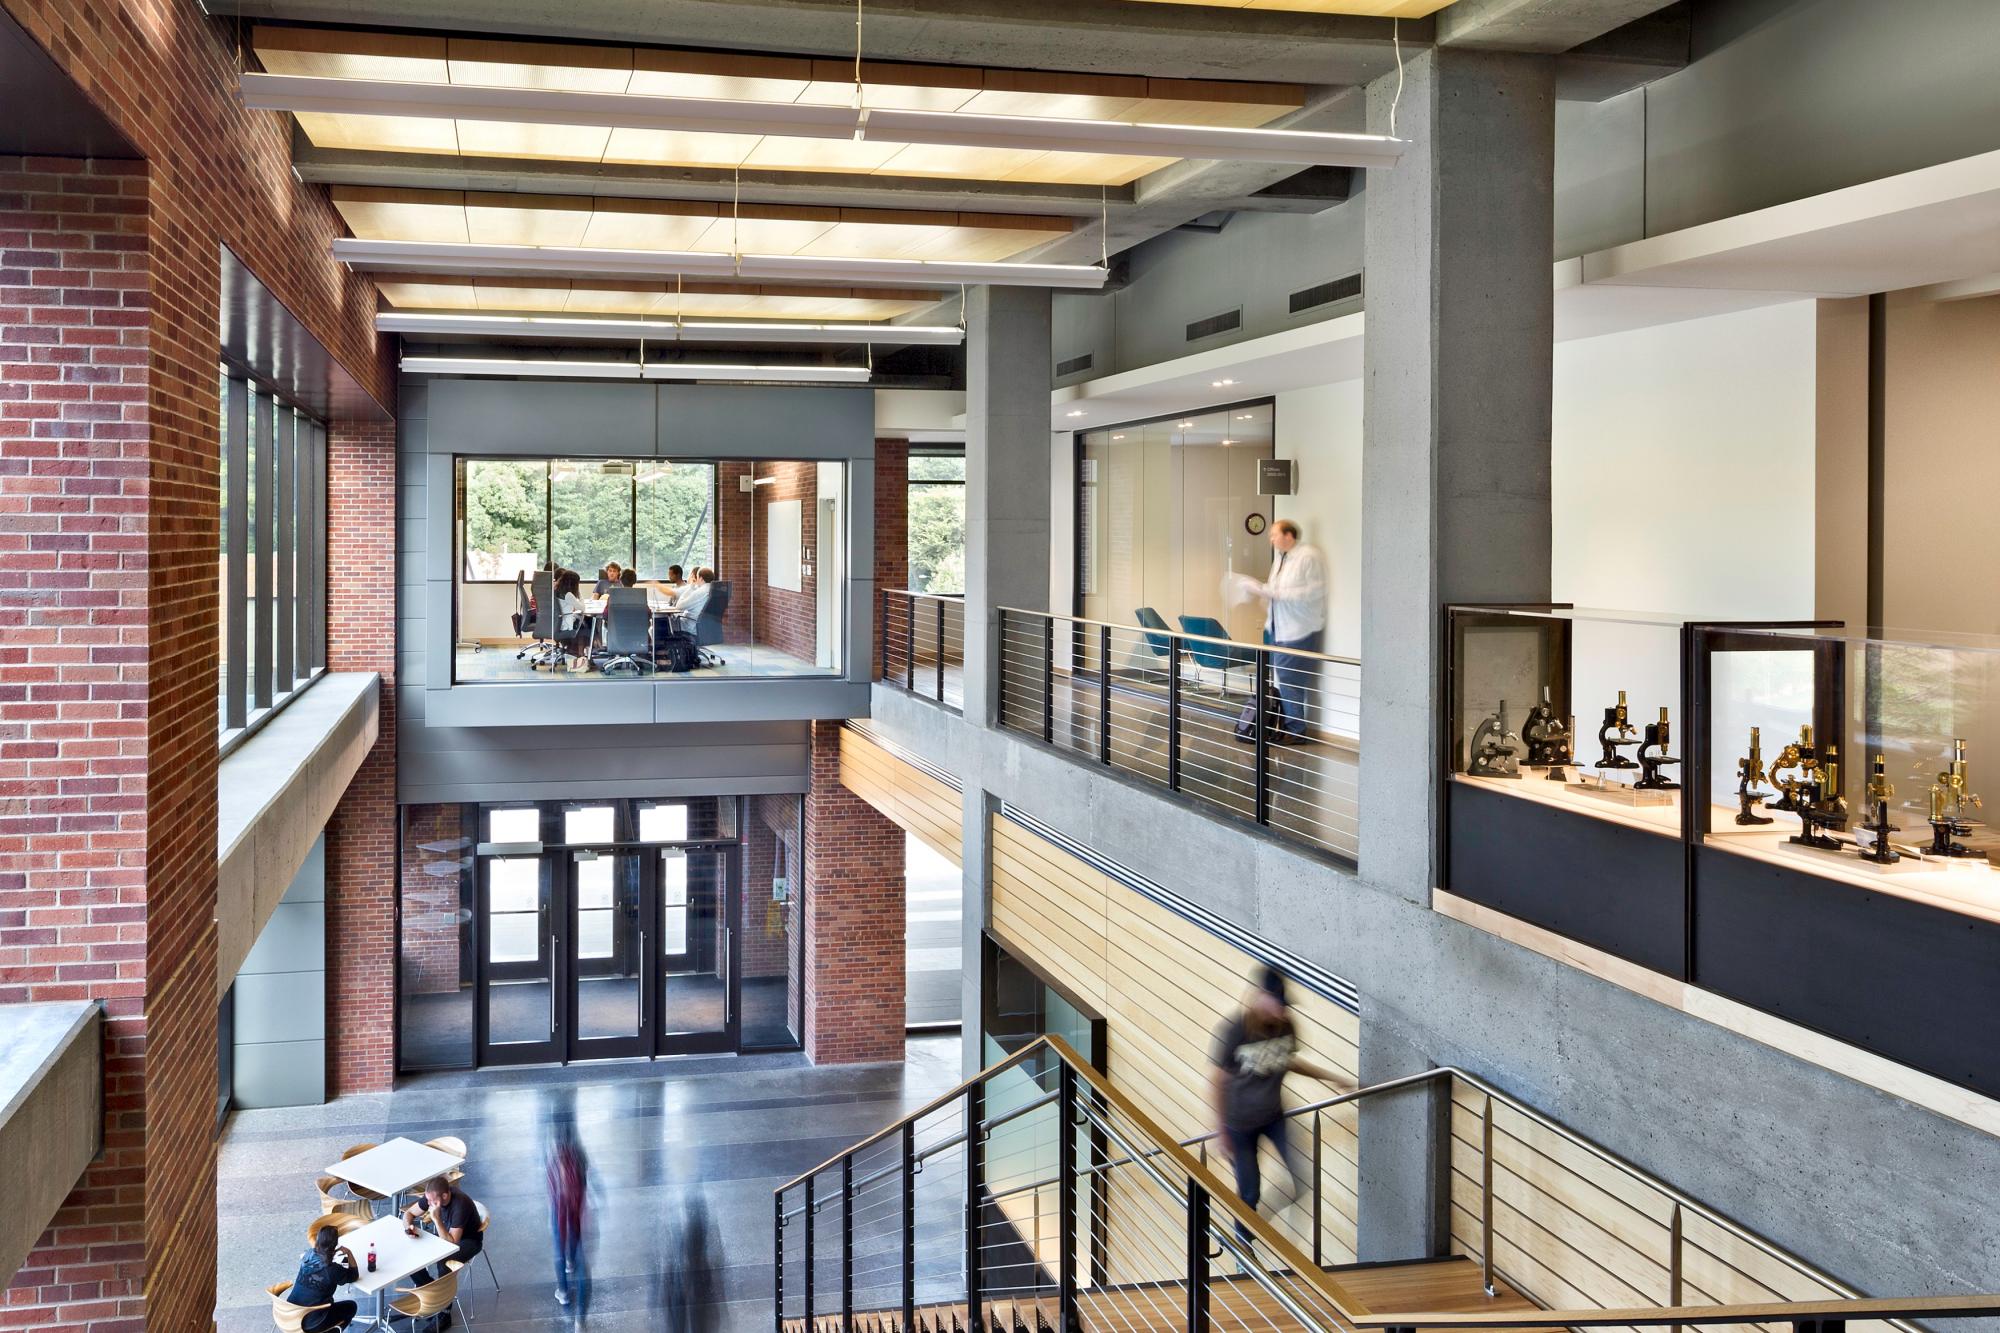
point(517, 1017)
point(698, 1000)
point(607, 955)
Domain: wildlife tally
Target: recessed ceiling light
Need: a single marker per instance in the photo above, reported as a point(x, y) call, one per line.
point(1213, 384)
point(1077, 413)
point(1118, 437)
point(1243, 416)
point(1229, 441)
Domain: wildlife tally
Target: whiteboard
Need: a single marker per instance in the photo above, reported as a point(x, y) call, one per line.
point(784, 539)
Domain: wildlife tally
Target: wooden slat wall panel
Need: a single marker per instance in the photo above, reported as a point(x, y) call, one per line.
point(1164, 985)
point(916, 801)
point(1569, 1227)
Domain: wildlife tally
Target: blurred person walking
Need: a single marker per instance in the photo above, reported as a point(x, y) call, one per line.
point(690, 1301)
point(569, 1197)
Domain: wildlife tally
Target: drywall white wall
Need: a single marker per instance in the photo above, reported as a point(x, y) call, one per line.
point(1682, 484)
point(1319, 429)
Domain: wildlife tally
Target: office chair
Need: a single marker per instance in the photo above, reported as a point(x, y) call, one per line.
point(1161, 644)
point(548, 649)
point(628, 632)
point(1217, 657)
point(708, 625)
point(524, 613)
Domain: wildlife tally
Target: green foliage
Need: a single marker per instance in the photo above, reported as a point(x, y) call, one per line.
point(510, 507)
point(937, 536)
point(506, 517)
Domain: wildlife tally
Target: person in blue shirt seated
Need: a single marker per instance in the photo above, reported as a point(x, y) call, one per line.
point(607, 579)
point(694, 597)
point(322, 1270)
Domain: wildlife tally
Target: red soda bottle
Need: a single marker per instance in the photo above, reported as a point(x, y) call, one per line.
point(371, 1256)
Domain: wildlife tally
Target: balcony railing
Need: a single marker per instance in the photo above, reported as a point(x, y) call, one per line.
point(923, 644)
point(1267, 734)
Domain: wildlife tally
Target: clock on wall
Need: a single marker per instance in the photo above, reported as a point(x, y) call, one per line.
point(1255, 524)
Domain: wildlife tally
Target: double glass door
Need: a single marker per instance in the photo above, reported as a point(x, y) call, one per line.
point(615, 952)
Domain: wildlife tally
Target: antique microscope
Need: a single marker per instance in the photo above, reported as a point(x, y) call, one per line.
point(1653, 757)
point(1821, 808)
point(1949, 802)
point(1549, 739)
point(1493, 756)
point(1616, 732)
point(1750, 772)
point(1880, 793)
point(1800, 755)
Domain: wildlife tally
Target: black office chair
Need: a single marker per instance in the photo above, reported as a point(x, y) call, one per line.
point(547, 648)
point(524, 612)
point(708, 625)
point(628, 632)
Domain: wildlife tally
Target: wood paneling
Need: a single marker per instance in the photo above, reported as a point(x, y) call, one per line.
point(1163, 985)
point(916, 801)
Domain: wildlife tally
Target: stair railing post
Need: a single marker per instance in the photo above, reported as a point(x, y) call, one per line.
point(847, 1244)
point(1674, 1262)
point(909, 1257)
point(882, 648)
point(940, 661)
point(1104, 693)
point(809, 1264)
point(1486, 1197)
point(1066, 1198)
point(975, 1181)
point(1197, 1257)
point(1174, 722)
point(1000, 660)
point(1048, 678)
point(1318, 1261)
point(1263, 743)
point(778, 1261)
point(910, 642)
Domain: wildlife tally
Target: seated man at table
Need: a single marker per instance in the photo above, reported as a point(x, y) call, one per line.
point(607, 579)
point(322, 1270)
point(629, 579)
point(695, 596)
point(455, 1217)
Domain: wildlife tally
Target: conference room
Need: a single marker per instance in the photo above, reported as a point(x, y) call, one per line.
point(605, 569)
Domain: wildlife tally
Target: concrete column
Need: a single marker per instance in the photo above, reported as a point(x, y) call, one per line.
point(1455, 469)
point(1006, 473)
point(1403, 1190)
point(976, 856)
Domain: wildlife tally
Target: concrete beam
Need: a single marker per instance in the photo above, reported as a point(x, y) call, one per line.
point(51, 1114)
point(1539, 26)
point(1089, 36)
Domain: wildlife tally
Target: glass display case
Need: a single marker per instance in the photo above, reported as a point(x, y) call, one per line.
point(1564, 795)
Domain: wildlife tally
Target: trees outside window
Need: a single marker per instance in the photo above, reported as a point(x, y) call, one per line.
point(587, 513)
point(506, 508)
point(937, 522)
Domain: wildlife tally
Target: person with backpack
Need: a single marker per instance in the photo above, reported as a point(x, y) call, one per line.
point(569, 1201)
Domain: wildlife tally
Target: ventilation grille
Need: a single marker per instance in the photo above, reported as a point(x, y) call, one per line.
point(1214, 324)
point(1073, 365)
point(1340, 289)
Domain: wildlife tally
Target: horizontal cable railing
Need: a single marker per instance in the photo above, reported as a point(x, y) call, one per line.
point(1265, 733)
point(923, 644)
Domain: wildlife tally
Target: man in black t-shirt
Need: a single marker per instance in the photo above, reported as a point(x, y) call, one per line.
point(456, 1218)
point(1252, 1054)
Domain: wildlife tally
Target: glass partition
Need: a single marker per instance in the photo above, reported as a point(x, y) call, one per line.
point(642, 569)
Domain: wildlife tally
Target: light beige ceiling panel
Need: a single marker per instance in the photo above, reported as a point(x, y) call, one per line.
point(563, 143)
point(509, 294)
point(1387, 9)
point(721, 76)
point(428, 295)
point(782, 153)
point(887, 83)
point(526, 219)
point(763, 233)
point(402, 215)
point(490, 63)
point(383, 134)
point(605, 299)
point(920, 159)
point(648, 224)
point(1087, 169)
point(339, 54)
point(670, 148)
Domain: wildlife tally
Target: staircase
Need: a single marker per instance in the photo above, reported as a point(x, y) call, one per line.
point(1037, 1198)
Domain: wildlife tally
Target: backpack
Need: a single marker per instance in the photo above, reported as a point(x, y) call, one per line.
point(1274, 715)
point(677, 652)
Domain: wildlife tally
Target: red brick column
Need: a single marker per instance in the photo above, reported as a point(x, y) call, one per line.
point(361, 853)
point(855, 968)
point(892, 531)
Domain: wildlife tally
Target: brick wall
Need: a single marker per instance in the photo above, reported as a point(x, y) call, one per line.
point(734, 560)
point(892, 533)
point(855, 968)
point(432, 959)
point(361, 838)
point(787, 620)
point(769, 952)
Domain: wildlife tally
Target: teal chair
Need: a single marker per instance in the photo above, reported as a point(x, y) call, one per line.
point(1218, 657)
point(1162, 643)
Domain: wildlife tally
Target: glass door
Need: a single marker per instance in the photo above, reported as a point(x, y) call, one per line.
point(517, 1014)
point(607, 955)
point(698, 1001)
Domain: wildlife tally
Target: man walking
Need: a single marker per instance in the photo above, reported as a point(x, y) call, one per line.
point(1296, 594)
point(569, 1190)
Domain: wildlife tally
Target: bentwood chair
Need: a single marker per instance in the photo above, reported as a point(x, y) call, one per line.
point(340, 1222)
point(432, 1299)
point(288, 1317)
point(454, 1146)
point(332, 1202)
point(369, 1195)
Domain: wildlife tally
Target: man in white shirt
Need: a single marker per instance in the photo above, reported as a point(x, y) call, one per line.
point(1296, 593)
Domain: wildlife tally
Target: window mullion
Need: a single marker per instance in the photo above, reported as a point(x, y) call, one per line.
point(265, 527)
point(284, 569)
point(235, 443)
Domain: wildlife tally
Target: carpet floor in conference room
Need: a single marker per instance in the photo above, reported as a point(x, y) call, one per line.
point(437, 1029)
point(722, 1132)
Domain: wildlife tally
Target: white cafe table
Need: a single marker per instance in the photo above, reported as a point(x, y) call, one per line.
point(397, 1256)
point(394, 1168)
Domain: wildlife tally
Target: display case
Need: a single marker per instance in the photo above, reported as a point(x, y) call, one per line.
point(1843, 873)
point(1564, 799)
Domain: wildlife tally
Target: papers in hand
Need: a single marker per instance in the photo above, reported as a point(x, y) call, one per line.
point(1240, 589)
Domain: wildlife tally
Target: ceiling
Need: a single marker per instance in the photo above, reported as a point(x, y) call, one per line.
point(1387, 9)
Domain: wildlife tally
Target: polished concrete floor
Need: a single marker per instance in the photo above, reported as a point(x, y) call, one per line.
point(720, 1132)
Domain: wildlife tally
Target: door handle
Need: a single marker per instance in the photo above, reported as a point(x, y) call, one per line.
point(728, 970)
point(642, 979)
point(552, 986)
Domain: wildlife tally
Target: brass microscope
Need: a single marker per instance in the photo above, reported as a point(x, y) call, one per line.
point(1550, 739)
point(1653, 757)
point(1749, 773)
point(1950, 802)
point(1813, 793)
point(1615, 733)
point(1880, 793)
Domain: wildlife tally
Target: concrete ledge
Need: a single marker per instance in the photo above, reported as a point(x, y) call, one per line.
point(724, 699)
point(273, 796)
point(51, 1115)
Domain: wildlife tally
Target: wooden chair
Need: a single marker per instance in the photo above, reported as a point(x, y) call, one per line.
point(340, 1222)
point(330, 1202)
point(454, 1146)
point(369, 1195)
point(432, 1299)
point(291, 1318)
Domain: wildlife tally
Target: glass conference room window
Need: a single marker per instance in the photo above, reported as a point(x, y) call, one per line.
point(649, 515)
point(271, 574)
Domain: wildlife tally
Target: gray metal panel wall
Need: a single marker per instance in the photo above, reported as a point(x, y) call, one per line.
point(280, 1038)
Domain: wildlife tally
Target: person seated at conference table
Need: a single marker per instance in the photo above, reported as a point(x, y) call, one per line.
point(695, 596)
point(671, 585)
point(322, 1271)
point(573, 623)
point(607, 578)
point(629, 579)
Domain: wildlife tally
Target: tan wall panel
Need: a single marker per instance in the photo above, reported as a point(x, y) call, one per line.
point(917, 802)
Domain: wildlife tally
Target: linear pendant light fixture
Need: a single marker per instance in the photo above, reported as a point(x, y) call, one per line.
point(648, 265)
point(665, 330)
point(633, 370)
point(808, 120)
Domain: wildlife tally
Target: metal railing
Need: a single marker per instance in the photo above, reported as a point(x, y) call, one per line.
point(1036, 1196)
point(1268, 734)
point(923, 644)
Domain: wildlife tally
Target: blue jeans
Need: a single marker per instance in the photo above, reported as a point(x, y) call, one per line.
point(572, 1275)
point(1249, 1177)
point(1291, 675)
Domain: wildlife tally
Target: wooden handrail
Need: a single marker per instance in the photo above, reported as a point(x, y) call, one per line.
point(1978, 1305)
